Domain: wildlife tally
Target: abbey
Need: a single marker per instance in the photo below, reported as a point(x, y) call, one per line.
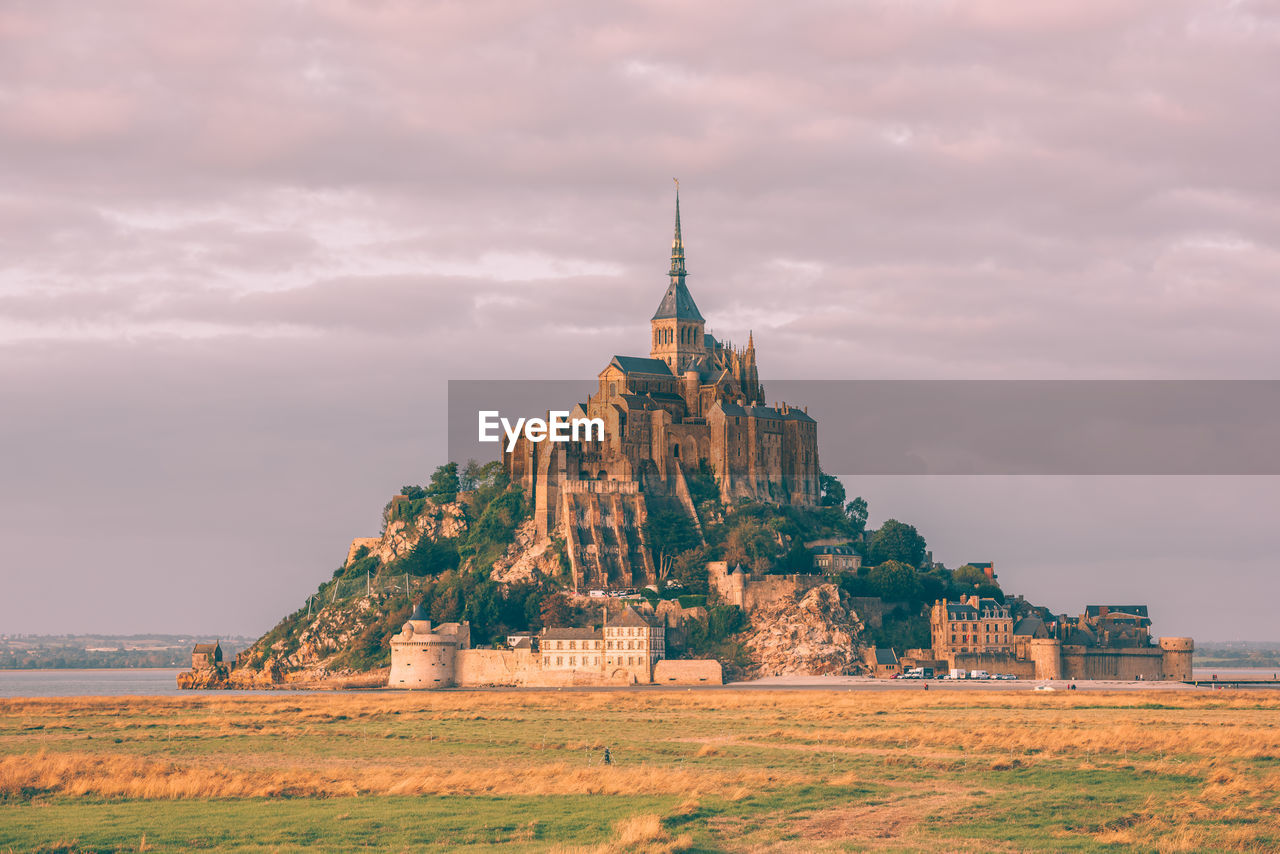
point(694, 404)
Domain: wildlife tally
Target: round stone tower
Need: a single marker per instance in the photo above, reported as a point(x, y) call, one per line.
point(1176, 664)
point(422, 658)
point(1046, 653)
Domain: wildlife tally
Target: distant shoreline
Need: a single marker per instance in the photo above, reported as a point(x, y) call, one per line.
point(84, 669)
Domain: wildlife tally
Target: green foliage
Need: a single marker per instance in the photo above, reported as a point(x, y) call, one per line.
point(969, 574)
point(555, 610)
point(901, 629)
point(752, 543)
point(894, 581)
point(668, 529)
point(856, 514)
point(798, 560)
point(702, 484)
point(713, 637)
point(430, 557)
point(897, 541)
point(832, 490)
point(692, 600)
point(444, 483)
point(490, 535)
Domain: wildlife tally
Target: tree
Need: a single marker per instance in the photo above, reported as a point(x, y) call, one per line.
point(668, 528)
point(897, 541)
point(798, 559)
point(856, 512)
point(555, 610)
point(752, 544)
point(444, 483)
point(894, 581)
point(832, 490)
point(969, 576)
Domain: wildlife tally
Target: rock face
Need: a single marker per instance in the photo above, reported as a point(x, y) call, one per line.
point(330, 631)
point(435, 522)
point(526, 558)
point(206, 678)
point(818, 634)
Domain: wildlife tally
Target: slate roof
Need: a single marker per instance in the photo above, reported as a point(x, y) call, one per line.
point(630, 619)
point(210, 648)
point(1131, 610)
point(677, 302)
point(1030, 626)
point(886, 657)
point(419, 613)
point(833, 550)
point(640, 365)
point(797, 415)
point(570, 634)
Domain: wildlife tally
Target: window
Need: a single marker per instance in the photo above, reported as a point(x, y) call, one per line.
point(559, 661)
point(571, 645)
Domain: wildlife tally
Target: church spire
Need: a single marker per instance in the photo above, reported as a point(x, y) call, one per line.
point(677, 271)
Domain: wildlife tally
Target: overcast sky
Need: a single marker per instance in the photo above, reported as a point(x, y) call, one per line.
point(244, 246)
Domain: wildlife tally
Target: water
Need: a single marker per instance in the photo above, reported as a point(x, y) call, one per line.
point(1226, 674)
point(88, 683)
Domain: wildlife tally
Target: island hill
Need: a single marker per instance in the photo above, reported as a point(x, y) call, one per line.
point(702, 519)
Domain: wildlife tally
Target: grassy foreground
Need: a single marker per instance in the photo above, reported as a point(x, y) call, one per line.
point(693, 771)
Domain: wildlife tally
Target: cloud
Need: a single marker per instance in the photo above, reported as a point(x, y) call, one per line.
point(377, 197)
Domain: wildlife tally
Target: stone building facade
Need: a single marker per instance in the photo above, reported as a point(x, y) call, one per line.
point(206, 655)
point(626, 650)
point(972, 625)
point(1105, 642)
point(693, 404)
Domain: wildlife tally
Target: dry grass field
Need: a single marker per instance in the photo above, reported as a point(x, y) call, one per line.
point(692, 771)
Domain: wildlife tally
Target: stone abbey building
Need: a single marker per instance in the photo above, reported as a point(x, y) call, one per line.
point(693, 404)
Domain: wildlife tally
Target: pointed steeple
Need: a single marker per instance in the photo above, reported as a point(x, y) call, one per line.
point(677, 302)
point(677, 271)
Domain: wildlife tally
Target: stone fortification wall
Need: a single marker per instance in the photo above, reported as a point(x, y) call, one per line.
point(604, 535)
point(755, 592)
point(478, 668)
point(1177, 658)
point(676, 672)
point(772, 590)
point(1123, 664)
point(996, 662)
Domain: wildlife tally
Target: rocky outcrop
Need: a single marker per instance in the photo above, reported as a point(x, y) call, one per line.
point(435, 522)
point(526, 559)
point(206, 678)
point(816, 634)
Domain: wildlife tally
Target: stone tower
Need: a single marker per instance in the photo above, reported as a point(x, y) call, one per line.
point(677, 326)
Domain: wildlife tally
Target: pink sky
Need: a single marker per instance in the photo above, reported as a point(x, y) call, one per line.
point(243, 246)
